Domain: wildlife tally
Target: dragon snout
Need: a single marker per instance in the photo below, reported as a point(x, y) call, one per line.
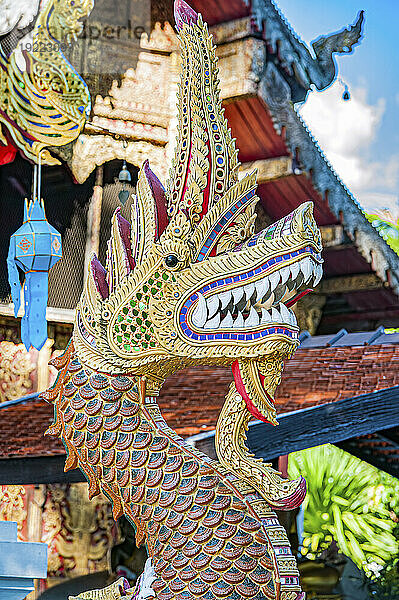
point(252, 304)
point(300, 222)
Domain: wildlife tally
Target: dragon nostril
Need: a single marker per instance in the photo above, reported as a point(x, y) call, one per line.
point(171, 260)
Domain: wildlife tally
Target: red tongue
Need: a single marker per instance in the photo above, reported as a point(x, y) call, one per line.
point(243, 392)
point(295, 299)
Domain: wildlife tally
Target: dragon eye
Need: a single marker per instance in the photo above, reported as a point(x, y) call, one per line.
point(171, 260)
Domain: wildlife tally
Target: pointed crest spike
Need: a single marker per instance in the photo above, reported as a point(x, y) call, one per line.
point(184, 14)
point(125, 235)
point(100, 276)
point(204, 167)
point(159, 194)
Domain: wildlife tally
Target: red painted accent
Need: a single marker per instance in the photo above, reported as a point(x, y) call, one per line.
point(7, 154)
point(159, 194)
point(283, 465)
point(295, 299)
point(125, 233)
point(100, 277)
point(281, 196)
point(214, 11)
point(235, 367)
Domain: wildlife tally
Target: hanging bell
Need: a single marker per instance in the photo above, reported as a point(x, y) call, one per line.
point(346, 95)
point(124, 175)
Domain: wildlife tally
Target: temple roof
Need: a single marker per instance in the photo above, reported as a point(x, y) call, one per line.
point(334, 371)
point(301, 66)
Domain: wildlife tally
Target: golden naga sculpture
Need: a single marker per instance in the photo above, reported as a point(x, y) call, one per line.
point(188, 283)
point(43, 100)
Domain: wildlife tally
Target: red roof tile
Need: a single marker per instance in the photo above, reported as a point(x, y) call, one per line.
point(191, 405)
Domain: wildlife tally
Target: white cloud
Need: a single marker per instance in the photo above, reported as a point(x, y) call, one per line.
point(346, 131)
point(379, 202)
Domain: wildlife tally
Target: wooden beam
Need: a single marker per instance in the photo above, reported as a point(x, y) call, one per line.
point(53, 315)
point(268, 168)
point(329, 423)
point(366, 448)
point(347, 284)
point(37, 469)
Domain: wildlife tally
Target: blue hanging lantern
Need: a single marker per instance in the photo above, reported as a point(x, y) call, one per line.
point(34, 248)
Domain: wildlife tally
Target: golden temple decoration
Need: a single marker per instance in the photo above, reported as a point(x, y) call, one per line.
point(233, 453)
point(140, 109)
point(43, 100)
point(16, 367)
point(78, 532)
point(111, 592)
point(137, 115)
point(93, 150)
point(162, 39)
point(188, 282)
point(269, 168)
point(13, 505)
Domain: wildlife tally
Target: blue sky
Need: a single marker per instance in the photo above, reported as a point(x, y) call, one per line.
point(367, 156)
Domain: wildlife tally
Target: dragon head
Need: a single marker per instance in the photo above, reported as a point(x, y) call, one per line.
point(188, 282)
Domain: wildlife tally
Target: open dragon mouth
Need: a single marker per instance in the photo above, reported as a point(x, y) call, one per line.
point(254, 304)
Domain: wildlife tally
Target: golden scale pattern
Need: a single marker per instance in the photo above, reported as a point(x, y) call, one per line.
point(209, 534)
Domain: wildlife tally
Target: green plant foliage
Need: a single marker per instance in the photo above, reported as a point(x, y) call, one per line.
point(348, 501)
point(388, 229)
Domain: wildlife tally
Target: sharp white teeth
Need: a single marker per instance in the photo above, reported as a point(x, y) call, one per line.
point(249, 290)
point(213, 323)
point(257, 298)
point(276, 318)
point(201, 312)
point(306, 268)
point(237, 294)
point(239, 322)
point(213, 305)
point(224, 298)
point(285, 313)
point(262, 287)
point(285, 273)
point(268, 300)
point(265, 316)
point(253, 319)
point(227, 321)
point(294, 268)
point(318, 272)
point(274, 279)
